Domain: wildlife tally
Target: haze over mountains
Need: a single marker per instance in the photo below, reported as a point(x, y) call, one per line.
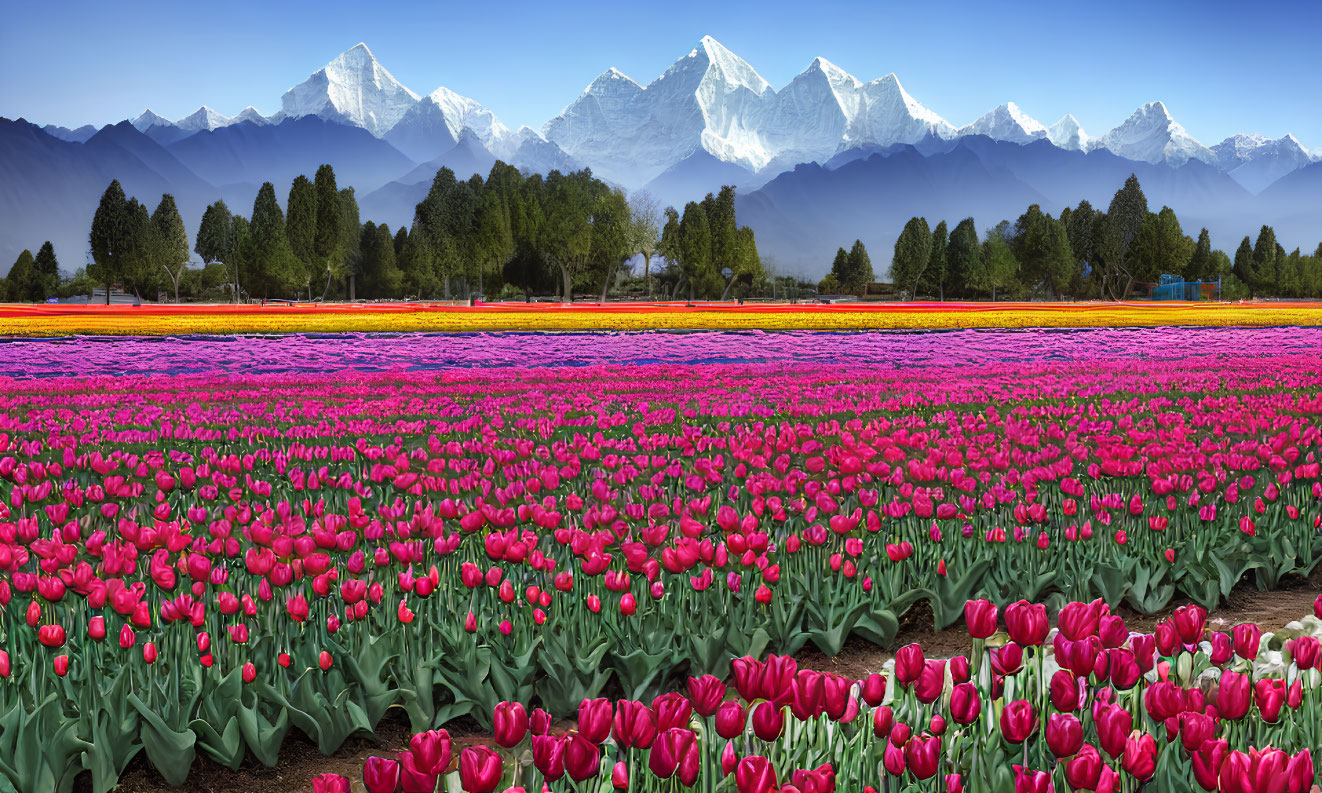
point(823, 160)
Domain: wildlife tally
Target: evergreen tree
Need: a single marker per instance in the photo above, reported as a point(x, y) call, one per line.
point(275, 269)
point(611, 246)
point(840, 266)
point(349, 259)
point(1243, 267)
point(301, 226)
point(934, 278)
point(47, 271)
point(963, 258)
point(1160, 248)
point(1265, 254)
point(748, 263)
point(695, 248)
point(913, 251)
point(858, 268)
point(330, 231)
point(721, 224)
point(1125, 217)
point(401, 239)
point(1201, 266)
point(381, 277)
point(241, 253)
point(18, 284)
point(172, 238)
point(214, 243)
point(110, 237)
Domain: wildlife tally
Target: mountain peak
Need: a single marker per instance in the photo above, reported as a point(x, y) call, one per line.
point(1068, 134)
point(1152, 135)
point(148, 119)
point(353, 87)
point(1008, 123)
point(730, 66)
point(612, 81)
point(203, 118)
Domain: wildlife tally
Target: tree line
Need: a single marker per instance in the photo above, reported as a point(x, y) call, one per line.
point(1088, 254)
point(508, 234)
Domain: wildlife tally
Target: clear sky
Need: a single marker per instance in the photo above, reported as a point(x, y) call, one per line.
point(1220, 67)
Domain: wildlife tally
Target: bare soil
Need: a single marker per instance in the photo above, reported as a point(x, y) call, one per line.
point(300, 761)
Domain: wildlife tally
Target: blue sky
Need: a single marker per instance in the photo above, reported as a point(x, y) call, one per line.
point(1220, 67)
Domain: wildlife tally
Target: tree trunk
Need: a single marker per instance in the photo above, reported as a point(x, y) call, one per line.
point(674, 293)
point(993, 293)
point(107, 293)
point(605, 287)
point(690, 291)
point(647, 272)
point(324, 291)
point(569, 284)
point(480, 290)
point(447, 287)
point(728, 286)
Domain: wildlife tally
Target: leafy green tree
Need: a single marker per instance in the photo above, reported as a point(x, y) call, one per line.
point(839, 268)
point(964, 258)
point(142, 262)
point(1000, 269)
point(494, 243)
point(567, 232)
point(241, 254)
point(1160, 248)
point(747, 264)
point(349, 260)
point(275, 269)
point(214, 243)
point(611, 245)
point(913, 252)
point(644, 230)
point(172, 238)
point(1243, 266)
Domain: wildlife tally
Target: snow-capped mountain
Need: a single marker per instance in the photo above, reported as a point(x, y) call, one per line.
point(437, 121)
point(353, 88)
point(1256, 161)
point(203, 118)
point(147, 119)
point(1067, 134)
point(1008, 123)
point(1152, 135)
point(251, 115)
point(715, 101)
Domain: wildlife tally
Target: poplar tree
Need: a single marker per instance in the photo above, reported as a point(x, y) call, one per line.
point(172, 239)
point(913, 251)
point(301, 226)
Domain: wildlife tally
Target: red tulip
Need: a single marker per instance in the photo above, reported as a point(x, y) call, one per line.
point(1190, 622)
point(980, 616)
point(149, 652)
point(620, 776)
point(4, 663)
point(1084, 769)
point(965, 704)
point(1029, 781)
point(1007, 659)
point(1232, 695)
point(671, 710)
point(1140, 757)
point(380, 775)
point(480, 769)
point(1026, 623)
point(1247, 637)
point(959, 669)
point(706, 693)
point(1079, 620)
point(582, 758)
point(754, 774)
point(668, 750)
point(1018, 721)
point(1299, 772)
point(931, 682)
point(431, 751)
point(96, 628)
point(1114, 724)
point(874, 689)
point(768, 721)
point(1064, 734)
point(893, 759)
point(51, 635)
point(249, 672)
point(1305, 651)
point(330, 783)
point(510, 721)
point(908, 664)
point(594, 719)
point(61, 665)
point(1270, 697)
point(324, 660)
point(883, 721)
point(1207, 761)
point(539, 723)
point(634, 725)
point(548, 756)
point(922, 755)
point(413, 779)
point(730, 720)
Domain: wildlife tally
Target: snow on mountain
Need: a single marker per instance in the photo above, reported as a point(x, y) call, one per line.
point(203, 118)
point(353, 88)
point(1255, 161)
point(713, 100)
point(148, 119)
point(526, 150)
point(251, 115)
point(1067, 134)
point(1008, 123)
point(1152, 135)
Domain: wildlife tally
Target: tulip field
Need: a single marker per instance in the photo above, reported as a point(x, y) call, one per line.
point(211, 544)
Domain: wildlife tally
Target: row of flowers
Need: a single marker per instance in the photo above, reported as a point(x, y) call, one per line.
point(1084, 706)
point(197, 564)
point(413, 317)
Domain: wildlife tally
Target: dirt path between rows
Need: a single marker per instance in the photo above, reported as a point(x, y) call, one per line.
point(300, 761)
